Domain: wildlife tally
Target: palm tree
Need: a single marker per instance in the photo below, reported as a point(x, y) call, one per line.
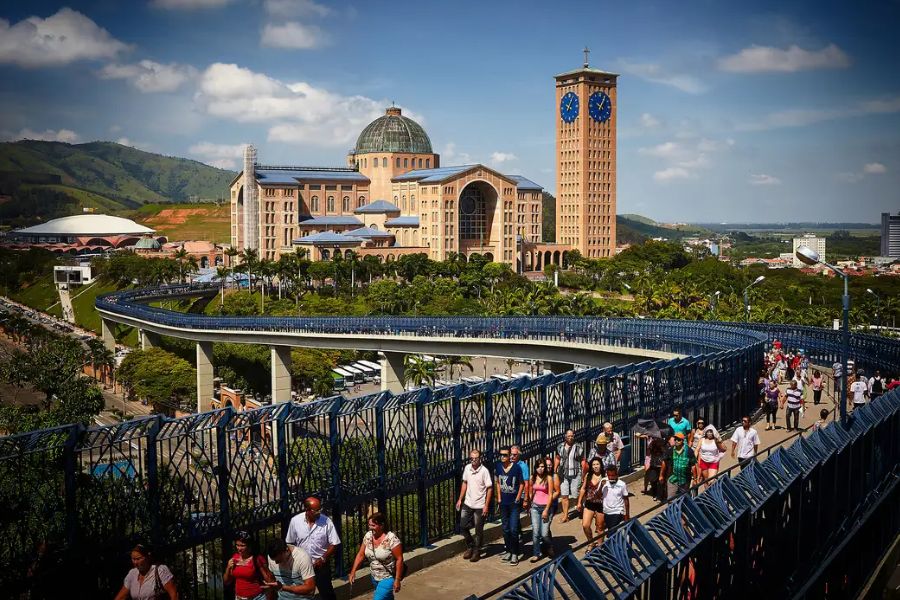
point(249, 260)
point(267, 269)
point(418, 371)
point(456, 361)
point(100, 358)
point(181, 255)
point(222, 274)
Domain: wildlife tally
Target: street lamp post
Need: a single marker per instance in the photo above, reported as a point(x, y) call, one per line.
point(877, 309)
point(714, 302)
point(747, 296)
point(811, 257)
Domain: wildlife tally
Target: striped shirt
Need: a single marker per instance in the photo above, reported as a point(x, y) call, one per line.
point(794, 398)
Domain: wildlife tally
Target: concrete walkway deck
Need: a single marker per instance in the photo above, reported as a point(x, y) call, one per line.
point(454, 578)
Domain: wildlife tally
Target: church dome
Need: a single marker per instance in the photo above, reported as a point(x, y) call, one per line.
point(393, 133)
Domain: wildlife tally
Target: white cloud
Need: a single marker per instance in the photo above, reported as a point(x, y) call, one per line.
point(48, 135)
point(296, 8)
point(60, 39)
point(657, 74)
point(188, 4)
point(874, 168)
point(804, 117)
point(648, 121)
point(763, 179)
point(672, 173)
point(149, 76)
point(293, 35)
point(451, 155)
point(224, 156)
point(684, 158)
point(766, 59)
point(297, 112)
point(124, 141)
point(502, 157)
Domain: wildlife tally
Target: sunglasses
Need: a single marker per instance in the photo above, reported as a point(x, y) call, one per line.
point(504, 454)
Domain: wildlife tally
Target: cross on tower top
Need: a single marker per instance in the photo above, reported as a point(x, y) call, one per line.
point(586, 52)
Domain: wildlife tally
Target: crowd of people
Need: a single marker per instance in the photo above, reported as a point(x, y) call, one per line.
point(293, 568)
point(571, 481)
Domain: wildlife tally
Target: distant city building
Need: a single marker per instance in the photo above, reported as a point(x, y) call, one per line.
point(812, 242)
point(890, 235)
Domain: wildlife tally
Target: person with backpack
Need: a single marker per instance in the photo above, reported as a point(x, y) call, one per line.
point(246, 570)
point(876, 385)
point(384, 551)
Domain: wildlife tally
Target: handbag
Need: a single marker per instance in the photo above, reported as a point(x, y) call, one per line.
point(159, 591)
point(403, 573)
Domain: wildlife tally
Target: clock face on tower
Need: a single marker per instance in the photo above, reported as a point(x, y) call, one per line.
point(599, 107)
point(568, 107)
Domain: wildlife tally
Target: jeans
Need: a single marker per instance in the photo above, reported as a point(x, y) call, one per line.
point(509, 519)
point(384, 589)
point(466, 517)
point(793, 413)
point(540, 529)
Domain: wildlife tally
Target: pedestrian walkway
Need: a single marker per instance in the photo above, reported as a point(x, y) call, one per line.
point(455, 578)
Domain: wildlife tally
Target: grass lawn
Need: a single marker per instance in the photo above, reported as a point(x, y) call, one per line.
point(39, 295)
point(187, 221)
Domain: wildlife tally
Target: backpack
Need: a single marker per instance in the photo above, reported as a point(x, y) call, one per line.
point(877, 386)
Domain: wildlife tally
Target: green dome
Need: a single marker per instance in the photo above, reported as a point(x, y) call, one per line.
point(147, 243)
point(393, 133)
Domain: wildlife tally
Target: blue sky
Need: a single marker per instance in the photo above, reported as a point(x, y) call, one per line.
point(728, 111)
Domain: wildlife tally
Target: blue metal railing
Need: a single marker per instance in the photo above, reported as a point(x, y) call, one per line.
point(190, 482)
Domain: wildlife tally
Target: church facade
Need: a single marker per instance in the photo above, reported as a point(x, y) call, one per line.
point(394, 197)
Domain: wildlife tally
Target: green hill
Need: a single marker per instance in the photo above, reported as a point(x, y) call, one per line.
point(107, 175)
point(634, 229)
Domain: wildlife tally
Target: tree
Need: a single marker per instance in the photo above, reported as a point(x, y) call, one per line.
point(320, 271)
point(160, 377)
point(249, 260)
point(456, 361)
point(418, 371)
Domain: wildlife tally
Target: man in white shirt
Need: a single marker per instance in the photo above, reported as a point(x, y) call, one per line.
point(473, 503)
point(859, 390)
point(615, 446)
point(292, 567)
point(615, 499)
point(316, 534)
point(744, 440)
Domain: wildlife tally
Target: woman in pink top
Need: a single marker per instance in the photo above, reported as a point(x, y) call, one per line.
point(543, 493)
point(817, 386)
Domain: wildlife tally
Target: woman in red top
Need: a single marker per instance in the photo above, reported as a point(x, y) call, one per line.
point(247, 570)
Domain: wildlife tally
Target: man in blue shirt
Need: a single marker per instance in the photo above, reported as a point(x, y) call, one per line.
point(678, 424)
point(510, 486)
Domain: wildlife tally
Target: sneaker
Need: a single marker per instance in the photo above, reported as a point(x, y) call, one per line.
point(514, 560)
point(506, 557)
point(468, 553)
point(534, 559)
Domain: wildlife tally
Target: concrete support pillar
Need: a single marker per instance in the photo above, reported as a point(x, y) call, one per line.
point(204, 376)
point(392, 369)
point(106, 334)
point(148, 339)
point(281, 373)
point(558, 367)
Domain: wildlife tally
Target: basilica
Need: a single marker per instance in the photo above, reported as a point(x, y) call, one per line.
point(394, 197)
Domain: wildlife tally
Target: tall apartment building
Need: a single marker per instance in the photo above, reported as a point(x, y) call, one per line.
point(810, 241)
point(890, 235)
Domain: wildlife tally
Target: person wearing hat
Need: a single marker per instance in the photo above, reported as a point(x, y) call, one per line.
point(677, 467)
point(602, 451)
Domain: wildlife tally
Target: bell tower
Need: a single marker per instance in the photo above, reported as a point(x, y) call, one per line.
point(586, 115)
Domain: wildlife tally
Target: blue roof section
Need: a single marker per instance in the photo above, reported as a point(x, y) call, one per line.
point(328, 237)
point(292, 176)
point(523, 183)
point(402, 222)
point(433, 175)
point(369, 232)
point(377, 207)
point(332, 220)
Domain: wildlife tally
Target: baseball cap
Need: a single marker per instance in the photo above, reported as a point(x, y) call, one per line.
point(679, 435)
point(601, 439)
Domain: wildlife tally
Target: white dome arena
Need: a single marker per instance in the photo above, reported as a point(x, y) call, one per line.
point(85, 225)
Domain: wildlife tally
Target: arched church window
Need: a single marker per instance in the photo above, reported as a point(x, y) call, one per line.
point(329, 207)
point(345, 205)
point(405, 162)
point(314, 204)
point(427, 163)
point(384, 162)
point(398, 161)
